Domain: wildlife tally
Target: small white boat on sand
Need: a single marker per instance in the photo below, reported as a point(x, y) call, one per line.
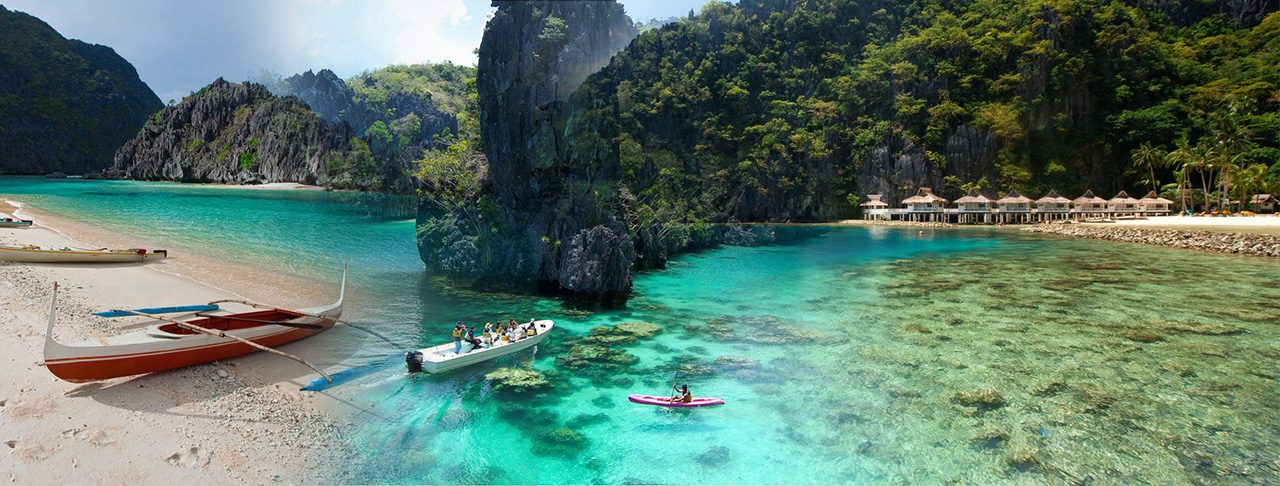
point(437, 359)
point(39, 254)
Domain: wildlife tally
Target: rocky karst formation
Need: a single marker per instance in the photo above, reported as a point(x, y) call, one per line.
point(64, 105)
point(335, 101)
point(237, 134)
point(557, 219)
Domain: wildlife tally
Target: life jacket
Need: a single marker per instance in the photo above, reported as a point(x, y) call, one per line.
point(457, 334)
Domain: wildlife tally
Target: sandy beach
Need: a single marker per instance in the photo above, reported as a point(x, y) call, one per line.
point(1259, 223)
point(231, 422)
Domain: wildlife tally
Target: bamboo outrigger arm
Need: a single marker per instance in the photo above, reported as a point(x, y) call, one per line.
point(221, 334)
point(272, 307)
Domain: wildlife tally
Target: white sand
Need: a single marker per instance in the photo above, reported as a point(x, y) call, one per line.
point(1265, 224)
point(236, 421)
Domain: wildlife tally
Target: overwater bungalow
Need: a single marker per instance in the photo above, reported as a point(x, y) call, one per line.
point(1122, 205)
point(1014, 208)
point(974, 208)
point(1053, 207)
point(874, 208)
point(1088, 206)
point(1153, 204)
point(925, 206)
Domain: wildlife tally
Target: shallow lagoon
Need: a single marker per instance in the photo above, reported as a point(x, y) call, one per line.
point(861, 355)
point(876, 355)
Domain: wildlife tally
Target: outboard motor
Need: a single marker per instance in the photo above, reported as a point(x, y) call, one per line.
point(414, 360)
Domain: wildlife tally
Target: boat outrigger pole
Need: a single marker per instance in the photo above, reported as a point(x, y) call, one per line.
point(221, 334)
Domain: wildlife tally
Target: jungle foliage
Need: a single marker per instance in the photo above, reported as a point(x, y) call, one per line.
point(778, 100)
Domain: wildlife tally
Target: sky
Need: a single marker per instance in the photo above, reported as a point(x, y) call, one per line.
point(180, 46)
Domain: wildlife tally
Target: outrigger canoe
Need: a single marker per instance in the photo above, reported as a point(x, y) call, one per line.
point(38, 254)
point(170, 343)
point(438, 359)
point(666, 401)
point(15, 223)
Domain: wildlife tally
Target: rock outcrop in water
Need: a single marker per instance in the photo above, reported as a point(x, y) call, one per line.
point(65, 105)
point(556, 210)
point(242, 134)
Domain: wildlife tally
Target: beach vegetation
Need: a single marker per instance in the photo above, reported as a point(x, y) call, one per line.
point(749, 108)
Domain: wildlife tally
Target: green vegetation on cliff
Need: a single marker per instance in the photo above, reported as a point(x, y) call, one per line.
point(776, 110)
point(64, 105)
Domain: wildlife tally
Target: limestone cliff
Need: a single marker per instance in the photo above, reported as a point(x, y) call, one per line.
point(413, 116)
point(557, 218)
point(65, 106)
point(240, 134)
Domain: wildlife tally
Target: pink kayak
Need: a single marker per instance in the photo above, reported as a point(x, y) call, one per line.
point(666, 401)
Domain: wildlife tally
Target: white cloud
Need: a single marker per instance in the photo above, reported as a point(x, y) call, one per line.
point(421, 39)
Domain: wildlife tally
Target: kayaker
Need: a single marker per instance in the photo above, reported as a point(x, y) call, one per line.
point(682, 394)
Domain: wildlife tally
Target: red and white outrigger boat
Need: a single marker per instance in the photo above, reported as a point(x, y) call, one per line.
point(171, 343)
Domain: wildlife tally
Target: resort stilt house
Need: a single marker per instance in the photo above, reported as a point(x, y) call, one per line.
point(1053, 207)
point(974, 208)
point(1089, 206)
point(874, 208)
point(1122, 204)
point(1014, 208)
point(925, 206)
point(1154, 204)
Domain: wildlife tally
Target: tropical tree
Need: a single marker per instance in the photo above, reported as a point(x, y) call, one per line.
point(1179, 159)
point(1147, 156)
point(1249, 181)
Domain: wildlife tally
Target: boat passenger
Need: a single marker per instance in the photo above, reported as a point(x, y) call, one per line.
point(504, 338)
point(682, 394)
point(531, 330)
point(512, 323)
point(457, 338)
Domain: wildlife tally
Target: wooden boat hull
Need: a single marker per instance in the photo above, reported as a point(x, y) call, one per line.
point(154, 350)
point(15, 223)
point(74, 255)
point(439, 359)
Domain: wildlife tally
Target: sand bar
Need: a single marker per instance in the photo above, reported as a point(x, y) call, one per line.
point(232, 422)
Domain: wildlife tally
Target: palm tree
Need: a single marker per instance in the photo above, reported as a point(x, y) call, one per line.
point(1180, 159)
point(1249, 180)
point(1147, 156)
point(1203, 160)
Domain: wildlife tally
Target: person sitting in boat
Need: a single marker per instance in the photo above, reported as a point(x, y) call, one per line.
point(502, 328)
point(512, 322)
point(531, 330)
point(682, 394)
point(471, 338)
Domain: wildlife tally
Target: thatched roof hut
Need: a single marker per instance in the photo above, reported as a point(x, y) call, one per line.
point(874, 202)
point(925, 196)
point(1014, 199)
point(1153, 202)
point(1053, 199)
point(1088, 200)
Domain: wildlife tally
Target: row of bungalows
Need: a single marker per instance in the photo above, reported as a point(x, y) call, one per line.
point(975, 208)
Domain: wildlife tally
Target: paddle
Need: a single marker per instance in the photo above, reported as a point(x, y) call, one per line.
point(674, 381)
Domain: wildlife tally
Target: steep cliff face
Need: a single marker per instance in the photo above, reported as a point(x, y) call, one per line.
point(324, 92)
point(413, 117)
point(65, 105)
point(240, 134)
point(554, 198)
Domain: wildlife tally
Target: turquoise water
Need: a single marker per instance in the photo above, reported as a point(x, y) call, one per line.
point(860, 355)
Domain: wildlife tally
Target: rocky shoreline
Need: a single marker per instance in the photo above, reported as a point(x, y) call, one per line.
point(1238, 243)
